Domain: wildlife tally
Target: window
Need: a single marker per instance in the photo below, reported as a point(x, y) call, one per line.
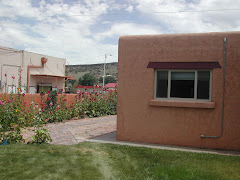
point(32, 90)
point(23, 90)
point(183, 84)
point(54, 89)
point(11, 89)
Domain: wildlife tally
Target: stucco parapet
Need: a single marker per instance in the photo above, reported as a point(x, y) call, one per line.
point(154, 36)
point(187, 104)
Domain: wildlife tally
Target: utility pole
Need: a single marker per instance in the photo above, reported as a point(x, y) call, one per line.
point(105, 67)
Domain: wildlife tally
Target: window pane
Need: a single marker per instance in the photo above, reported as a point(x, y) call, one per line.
point(162, 84)
point(12, 89)
point(203, 84)
point(182, 84)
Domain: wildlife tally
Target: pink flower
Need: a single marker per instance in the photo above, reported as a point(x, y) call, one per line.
point(24, 102)
point(47, 120)
point(2, 103)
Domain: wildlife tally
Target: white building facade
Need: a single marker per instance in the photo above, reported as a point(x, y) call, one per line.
point(29, 72)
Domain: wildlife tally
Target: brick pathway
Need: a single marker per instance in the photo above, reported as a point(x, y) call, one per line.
point(75, 131)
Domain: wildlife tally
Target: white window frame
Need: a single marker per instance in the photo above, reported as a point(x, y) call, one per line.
point(12, 89)
point(54, 89)
point(32, 89)
point(195, 85)
point(23, 88)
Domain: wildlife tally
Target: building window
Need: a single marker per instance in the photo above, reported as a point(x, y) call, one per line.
point(183, 84)
point(32, 90)
point(23, 90)
point(54, 89)
point(11, 89)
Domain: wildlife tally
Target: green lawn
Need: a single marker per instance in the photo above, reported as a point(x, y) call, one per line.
point(106, 161)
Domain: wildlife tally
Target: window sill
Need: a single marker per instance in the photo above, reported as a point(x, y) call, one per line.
point(186, 104)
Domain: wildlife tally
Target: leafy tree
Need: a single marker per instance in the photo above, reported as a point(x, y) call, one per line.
point(87, 80)
point(108, 79)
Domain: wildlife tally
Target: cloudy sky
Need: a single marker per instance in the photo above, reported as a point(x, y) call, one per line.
point(82, 31)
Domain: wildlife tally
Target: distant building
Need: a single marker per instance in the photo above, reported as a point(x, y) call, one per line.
point(38, 72)
point(89, 89)
point(111, 86)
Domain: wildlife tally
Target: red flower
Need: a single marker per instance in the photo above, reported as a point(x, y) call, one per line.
point(5, 75)
point(47, 120)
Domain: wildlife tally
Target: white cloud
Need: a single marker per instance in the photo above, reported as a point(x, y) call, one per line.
point(129, 9)
point(120, 29)
point(76, 30)
point(66, 35)
point(193, 21)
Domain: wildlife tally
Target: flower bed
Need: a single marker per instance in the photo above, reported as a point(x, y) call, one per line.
point(17, 114)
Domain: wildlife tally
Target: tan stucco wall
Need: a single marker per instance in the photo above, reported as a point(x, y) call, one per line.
point(54, 66)
point(10, 57)
point(142, 120)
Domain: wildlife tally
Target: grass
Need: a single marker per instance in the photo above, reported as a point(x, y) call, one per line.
point(105, 161)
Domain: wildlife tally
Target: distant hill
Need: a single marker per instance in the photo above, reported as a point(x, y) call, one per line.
point(95, 70)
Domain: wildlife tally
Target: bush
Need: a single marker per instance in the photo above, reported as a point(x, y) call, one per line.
point(15, 116)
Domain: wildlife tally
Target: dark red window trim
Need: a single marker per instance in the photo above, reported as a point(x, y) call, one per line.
point(184, 65)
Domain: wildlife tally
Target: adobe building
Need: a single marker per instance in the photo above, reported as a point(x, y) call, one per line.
point(180, 89)
point(38, 72)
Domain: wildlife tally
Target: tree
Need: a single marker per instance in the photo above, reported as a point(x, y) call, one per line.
point(87, 80)
point(109, 79)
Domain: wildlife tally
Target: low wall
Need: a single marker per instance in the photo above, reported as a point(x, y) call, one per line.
point(28, 98)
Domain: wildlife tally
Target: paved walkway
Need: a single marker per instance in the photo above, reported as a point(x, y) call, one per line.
point(103, 130)
point(75, 131)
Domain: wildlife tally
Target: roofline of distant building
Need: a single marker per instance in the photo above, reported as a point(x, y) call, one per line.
point(16, 50)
